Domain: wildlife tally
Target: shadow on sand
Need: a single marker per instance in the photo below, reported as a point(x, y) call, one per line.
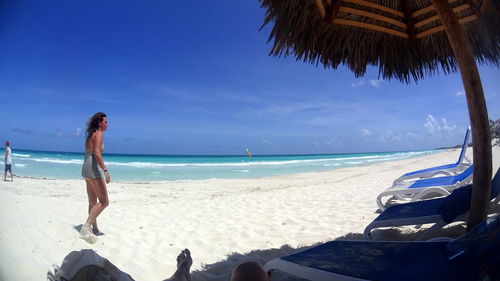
point(78, 228)
point(221, 270)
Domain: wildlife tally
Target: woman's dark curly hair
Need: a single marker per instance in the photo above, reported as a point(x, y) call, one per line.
point(93, 124)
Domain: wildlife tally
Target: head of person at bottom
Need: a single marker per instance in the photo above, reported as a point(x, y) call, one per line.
point(7, 144)
point(249, 271)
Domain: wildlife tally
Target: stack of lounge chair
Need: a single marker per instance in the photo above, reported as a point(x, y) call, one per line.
point(472, 256)
point(420, 184)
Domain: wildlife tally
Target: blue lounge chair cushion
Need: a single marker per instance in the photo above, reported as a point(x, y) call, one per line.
point(437, 168)
point(390, 261)
point(458, 202)
point(443, 181)
point(412, 209)
point(455, 204)
point(471, 257)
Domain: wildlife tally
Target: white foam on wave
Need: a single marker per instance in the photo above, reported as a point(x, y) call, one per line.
point(19, 165)
point(241, 171)
point(249, 164)
point(21, 155)
point(337, 161)
point(57, 161)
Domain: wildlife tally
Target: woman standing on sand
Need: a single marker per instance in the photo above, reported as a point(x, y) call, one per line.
point(96, 187)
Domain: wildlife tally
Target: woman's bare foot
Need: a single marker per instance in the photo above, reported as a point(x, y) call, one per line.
point(95, 229)
point(87, 235)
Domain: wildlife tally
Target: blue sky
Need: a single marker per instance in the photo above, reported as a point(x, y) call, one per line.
point(194, 77)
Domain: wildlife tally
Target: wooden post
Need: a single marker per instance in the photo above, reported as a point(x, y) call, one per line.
point(478, 113)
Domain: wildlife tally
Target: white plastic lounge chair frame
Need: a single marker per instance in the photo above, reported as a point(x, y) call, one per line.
point(417, 193)
point(445, 170)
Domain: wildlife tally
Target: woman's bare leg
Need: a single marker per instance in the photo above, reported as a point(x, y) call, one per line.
point(92, 201)
point(99, 188)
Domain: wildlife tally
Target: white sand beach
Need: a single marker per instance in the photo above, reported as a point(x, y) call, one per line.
point(222, 222)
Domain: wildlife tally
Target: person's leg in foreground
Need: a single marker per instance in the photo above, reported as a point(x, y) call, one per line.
point(184, 262)
point(247, 271)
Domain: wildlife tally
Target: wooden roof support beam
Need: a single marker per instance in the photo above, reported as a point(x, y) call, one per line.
point(484, 5)
point(410, 22)
point(436, 17)
point(478, 113)
point(371, 27)
point(321, 8)
point(328, 12)
point(474, 8)
point(376, 6)
point(372, 16)
point(332, 9)
point(441, 28)
point(427, 9)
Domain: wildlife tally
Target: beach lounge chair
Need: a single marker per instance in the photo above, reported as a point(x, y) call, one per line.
point(439, 211)
point(440, 186)
point(446, 170)
point(473, 256)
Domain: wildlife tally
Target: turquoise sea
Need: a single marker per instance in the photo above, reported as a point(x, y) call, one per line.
point(126, 167)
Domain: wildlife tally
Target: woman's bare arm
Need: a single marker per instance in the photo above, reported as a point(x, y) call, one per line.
point(98, 150)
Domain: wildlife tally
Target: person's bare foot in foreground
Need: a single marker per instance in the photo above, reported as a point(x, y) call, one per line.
point(184, 262)
point(247, 271)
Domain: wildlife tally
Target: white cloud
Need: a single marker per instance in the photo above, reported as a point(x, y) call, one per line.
point(376, 83)
point(333, 142)
point(372, 82)
point(366, 132)
point(78, 132)
point(460, 93)
point(431, 124)
point(411, 135)
point(266, 142)
point(388, 136)
point(358, 84)
point(434, 128)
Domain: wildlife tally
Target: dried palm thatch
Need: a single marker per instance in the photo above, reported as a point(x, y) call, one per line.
point(404, 38)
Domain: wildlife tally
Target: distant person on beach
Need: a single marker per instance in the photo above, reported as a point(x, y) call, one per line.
point(8, 161)
point(247, 271)
point(96, 187)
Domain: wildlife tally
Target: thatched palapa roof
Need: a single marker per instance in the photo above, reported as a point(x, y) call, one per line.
point(404, 38)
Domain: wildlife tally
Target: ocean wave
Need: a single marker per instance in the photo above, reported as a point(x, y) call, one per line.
point(353, 160)
point(21, 155)
point(19, 165)
point(241, 171)
point(57, 161)
point(329, 165)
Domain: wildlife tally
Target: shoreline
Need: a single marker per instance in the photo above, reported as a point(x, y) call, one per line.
point(222, 221)
point(243, 178)
point(160, 169)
